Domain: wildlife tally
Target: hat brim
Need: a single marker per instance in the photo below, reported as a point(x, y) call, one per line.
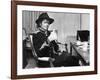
point(49, 19)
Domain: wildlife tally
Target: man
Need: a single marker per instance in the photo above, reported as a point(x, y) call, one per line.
point(40, 38)
point(45, 46)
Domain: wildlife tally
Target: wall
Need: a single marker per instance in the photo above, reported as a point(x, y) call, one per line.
point(85, 21)
point(66, 24)
point(5, 41)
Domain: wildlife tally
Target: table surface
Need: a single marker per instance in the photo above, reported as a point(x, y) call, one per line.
point(84, 53)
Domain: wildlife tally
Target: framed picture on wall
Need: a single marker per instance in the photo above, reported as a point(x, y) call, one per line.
point(53, 39)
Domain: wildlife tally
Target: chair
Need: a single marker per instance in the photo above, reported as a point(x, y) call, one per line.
point(83, 35)
point(41, 61)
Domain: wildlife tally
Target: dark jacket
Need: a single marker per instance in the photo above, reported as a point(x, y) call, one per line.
point(38, 39)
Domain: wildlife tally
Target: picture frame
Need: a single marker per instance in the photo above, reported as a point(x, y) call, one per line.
point(16, 28)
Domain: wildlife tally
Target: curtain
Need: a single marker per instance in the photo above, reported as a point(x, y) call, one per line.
point(28, 20)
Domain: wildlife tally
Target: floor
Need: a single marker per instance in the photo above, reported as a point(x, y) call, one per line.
point(31, 63)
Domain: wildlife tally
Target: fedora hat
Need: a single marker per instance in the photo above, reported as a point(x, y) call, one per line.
point(44, 16)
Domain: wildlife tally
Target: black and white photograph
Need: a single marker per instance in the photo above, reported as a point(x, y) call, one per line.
point(53, 40)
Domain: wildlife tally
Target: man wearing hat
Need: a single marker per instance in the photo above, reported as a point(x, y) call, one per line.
point(40, 39)
point(45, 47)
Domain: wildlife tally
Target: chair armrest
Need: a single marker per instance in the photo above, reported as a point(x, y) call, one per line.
point(44, 58)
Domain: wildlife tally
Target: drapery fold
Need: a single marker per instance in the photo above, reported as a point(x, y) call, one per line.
point(28, 20)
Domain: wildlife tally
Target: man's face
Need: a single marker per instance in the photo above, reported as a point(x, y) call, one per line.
point(45, 24)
